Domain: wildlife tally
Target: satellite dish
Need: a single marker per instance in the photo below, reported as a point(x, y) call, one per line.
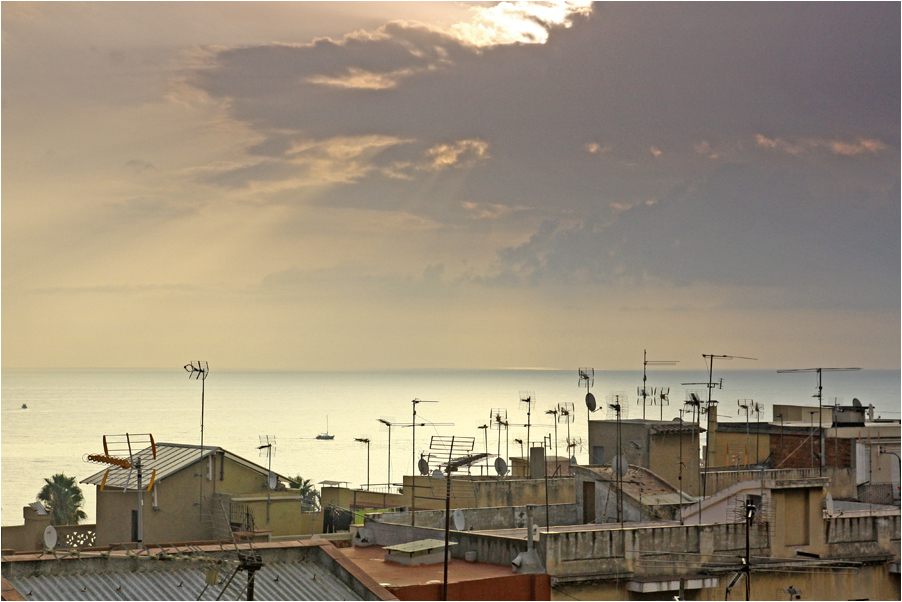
point(272, 480)
point(830, 507)
point(460, 521)
point(590, 402)
point(573, 460)
point(620, 465)
point(535, 531)
point(437, 474)
point(500, 466)
point(856, 402)
point(423, 466)
point(50, 537)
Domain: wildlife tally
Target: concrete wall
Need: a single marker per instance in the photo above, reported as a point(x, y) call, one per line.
point(666, 456)
point(615, 552)
point(486, 519)
point(868, 583)
point(659, 452)
point(494, 549)
point(487, 492)
point(841, 486)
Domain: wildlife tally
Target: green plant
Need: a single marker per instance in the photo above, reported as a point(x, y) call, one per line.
point(63, 499)
point(307, 490)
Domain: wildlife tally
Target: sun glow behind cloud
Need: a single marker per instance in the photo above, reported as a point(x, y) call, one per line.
point(518, 22)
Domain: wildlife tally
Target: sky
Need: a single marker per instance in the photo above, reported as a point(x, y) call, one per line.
point(379, 185)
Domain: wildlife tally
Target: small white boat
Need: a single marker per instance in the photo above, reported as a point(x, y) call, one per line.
point(326, 436)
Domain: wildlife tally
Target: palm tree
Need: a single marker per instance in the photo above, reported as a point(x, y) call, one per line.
point(63, 499)
point(307, 490)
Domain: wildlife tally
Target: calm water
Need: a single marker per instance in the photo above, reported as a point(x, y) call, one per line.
point(69, 412)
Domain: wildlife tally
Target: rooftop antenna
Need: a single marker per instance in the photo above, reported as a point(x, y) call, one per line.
point(662, 398)
point(820, 403)
point(485, 431)
point(126, 451)
point(694, 404)
point(457, 450)
point(527, 401)
point(746, 405)
point(413, 424)
point(268, 446)
point(199, 371)
point(709, 360)
point(643, 390)
point(499, 421)
point(388, 423)
point(616, 403)
point(556, 412)
point(757, 410)
point(566, 414)
point(367, 441)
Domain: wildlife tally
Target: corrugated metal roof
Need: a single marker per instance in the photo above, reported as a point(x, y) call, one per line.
point(186, 581)
point(171, 458)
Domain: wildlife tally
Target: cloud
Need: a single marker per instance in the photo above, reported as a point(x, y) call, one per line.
point(743, 226)
point(845, 148)
point(458, 154)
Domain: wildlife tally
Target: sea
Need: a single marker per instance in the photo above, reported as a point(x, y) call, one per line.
point(50, 420)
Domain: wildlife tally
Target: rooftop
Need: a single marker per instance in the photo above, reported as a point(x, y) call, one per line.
point(290, 571)
point(390, 574)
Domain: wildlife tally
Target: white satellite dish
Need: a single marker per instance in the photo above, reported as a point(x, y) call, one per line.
point(620, 465)
point(437, 474)
point(573, 460)
point(50, 537)
point(535, 531)
point(272, 480)
point(830, 507)
point(500, 466)
point(460, 521)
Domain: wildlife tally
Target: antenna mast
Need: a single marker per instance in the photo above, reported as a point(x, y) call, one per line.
point(587, 376)
point(528, 400)
point(644, 390)
point(198, 371)
point(712, 427)
point(820, 406)
point(268, 446)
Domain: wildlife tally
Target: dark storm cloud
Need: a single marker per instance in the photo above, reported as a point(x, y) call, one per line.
point(724, 143)
point(744, 226)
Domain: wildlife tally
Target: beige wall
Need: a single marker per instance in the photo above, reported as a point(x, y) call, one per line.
point(171, 508)
point(665, 456)
point(869, 583)
point(733, 449)
point(660, 453)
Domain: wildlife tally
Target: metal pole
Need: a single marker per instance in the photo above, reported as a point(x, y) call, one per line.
point(140, 504)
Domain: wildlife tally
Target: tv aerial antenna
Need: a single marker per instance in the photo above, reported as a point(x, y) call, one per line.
point(128, 452)
point(617, 406)
point(709, 360)
point(587, 378)
point(198, 371)
point(367, 441)
point(528, 402)
point(267, 447)
point(644, 391)
point(498, 422)
point(820, 403)
point(413, 425)
point(566, 414)
point(388, 423)
point(458, 451)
